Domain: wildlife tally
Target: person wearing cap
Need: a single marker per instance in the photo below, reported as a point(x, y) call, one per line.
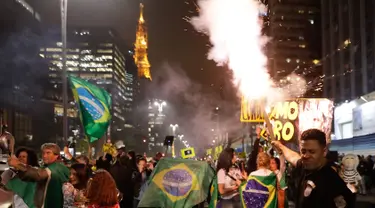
point(122, 174)
point(49, 179)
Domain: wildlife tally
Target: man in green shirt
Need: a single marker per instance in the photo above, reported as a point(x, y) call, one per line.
point(49, 179)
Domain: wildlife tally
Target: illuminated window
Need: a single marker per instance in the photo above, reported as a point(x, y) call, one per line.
point(297, 60)
point(53, 49)
point(59, 44)
point(301, 11)
point(72, 69)
point(105, 51)
point(312, 22)
point(106, 44)
point(316, 61)
point(302, 46)
point(301, 38)
point(288, 60)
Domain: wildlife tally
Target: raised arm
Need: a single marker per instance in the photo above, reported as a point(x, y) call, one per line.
point(28, 173)
point(291, 156)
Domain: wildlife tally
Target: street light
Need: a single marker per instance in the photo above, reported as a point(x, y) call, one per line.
point(160, 105)
point(64, 8)
point(174, 127)
point(180, 137)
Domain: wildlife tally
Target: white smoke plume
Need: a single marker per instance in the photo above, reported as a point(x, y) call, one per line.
point(234, 30)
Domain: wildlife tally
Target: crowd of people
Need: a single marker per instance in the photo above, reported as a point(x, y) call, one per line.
point(117, 181)
point(312, 178)
point(66, 181)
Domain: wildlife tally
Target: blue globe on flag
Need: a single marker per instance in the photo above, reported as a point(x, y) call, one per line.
point(93, 106)
point(177, 182)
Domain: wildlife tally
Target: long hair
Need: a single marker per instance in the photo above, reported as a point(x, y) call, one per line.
point(225, 159)
point(32, 158)
point(82, 174)
point(102, 189)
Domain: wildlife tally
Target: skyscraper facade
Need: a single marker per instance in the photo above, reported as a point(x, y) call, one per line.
point(22, 71)
point(94, 54)
point(348, 32)
point(294, 28)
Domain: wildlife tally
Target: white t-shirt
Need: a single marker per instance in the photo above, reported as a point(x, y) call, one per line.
point(228, 182)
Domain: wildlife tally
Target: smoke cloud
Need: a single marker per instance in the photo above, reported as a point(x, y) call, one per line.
point(192, 108)
point(234, 29)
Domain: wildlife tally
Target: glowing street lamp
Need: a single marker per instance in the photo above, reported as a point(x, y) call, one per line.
point(160, 105)
point(180, 137)
point(174, 127)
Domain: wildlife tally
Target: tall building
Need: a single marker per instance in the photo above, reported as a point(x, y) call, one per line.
point(22, 71)
point(141, 44)
point(348, 48)
point(157, 128)
point(295, 46)
point(93, 54)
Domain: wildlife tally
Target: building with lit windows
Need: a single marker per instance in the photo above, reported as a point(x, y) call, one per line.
point(157, 128)
point(348, 48)
point(294, 27)
point(96, 55)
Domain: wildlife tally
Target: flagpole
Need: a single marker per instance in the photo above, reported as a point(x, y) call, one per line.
point(64, 8)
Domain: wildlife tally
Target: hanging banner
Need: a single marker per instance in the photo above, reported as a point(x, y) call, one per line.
point(290, 118)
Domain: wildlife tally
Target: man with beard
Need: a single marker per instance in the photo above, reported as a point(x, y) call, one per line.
point(317, 184)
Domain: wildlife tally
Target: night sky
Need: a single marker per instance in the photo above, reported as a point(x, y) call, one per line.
point(172, 40)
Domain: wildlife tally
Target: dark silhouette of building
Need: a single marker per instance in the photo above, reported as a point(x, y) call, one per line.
point(348, 48)
point(22, 73)
point(295, 46)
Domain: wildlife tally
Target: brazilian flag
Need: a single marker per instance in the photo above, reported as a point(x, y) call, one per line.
point(94, 105)
point(24, 189)
point(259, 192)
point(178, 183)
point(214, 194)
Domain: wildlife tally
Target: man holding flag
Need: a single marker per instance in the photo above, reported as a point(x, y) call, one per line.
point(49, 179)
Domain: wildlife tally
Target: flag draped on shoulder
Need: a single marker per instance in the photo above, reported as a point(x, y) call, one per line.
point(24, 189)
point(259, 192)
point(178, 183)
point(94, 104)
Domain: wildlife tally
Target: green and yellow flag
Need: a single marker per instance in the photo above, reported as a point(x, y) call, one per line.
point(178, 183)
point(24, 189)
point(214, 194)
point(259, 192)
point(94, 105)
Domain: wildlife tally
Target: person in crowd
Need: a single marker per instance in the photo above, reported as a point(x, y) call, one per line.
point(132, 162)
point(158, 157)
point(277, 165)
point(122, 174)
point(140, 177)
point(27, 157)
point(318, 185)
point(251, 163)
point(74, 191)
point(229, 179)
point(104, 162)
point(49, 179)
point(102, 191)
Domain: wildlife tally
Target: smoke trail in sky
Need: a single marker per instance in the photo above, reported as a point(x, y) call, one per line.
point(234, 28)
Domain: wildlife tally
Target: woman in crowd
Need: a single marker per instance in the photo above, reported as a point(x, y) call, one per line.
point(102, 180)
point(74, 190)
point(229, 179)
point(9, 178)
point(278, 167)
